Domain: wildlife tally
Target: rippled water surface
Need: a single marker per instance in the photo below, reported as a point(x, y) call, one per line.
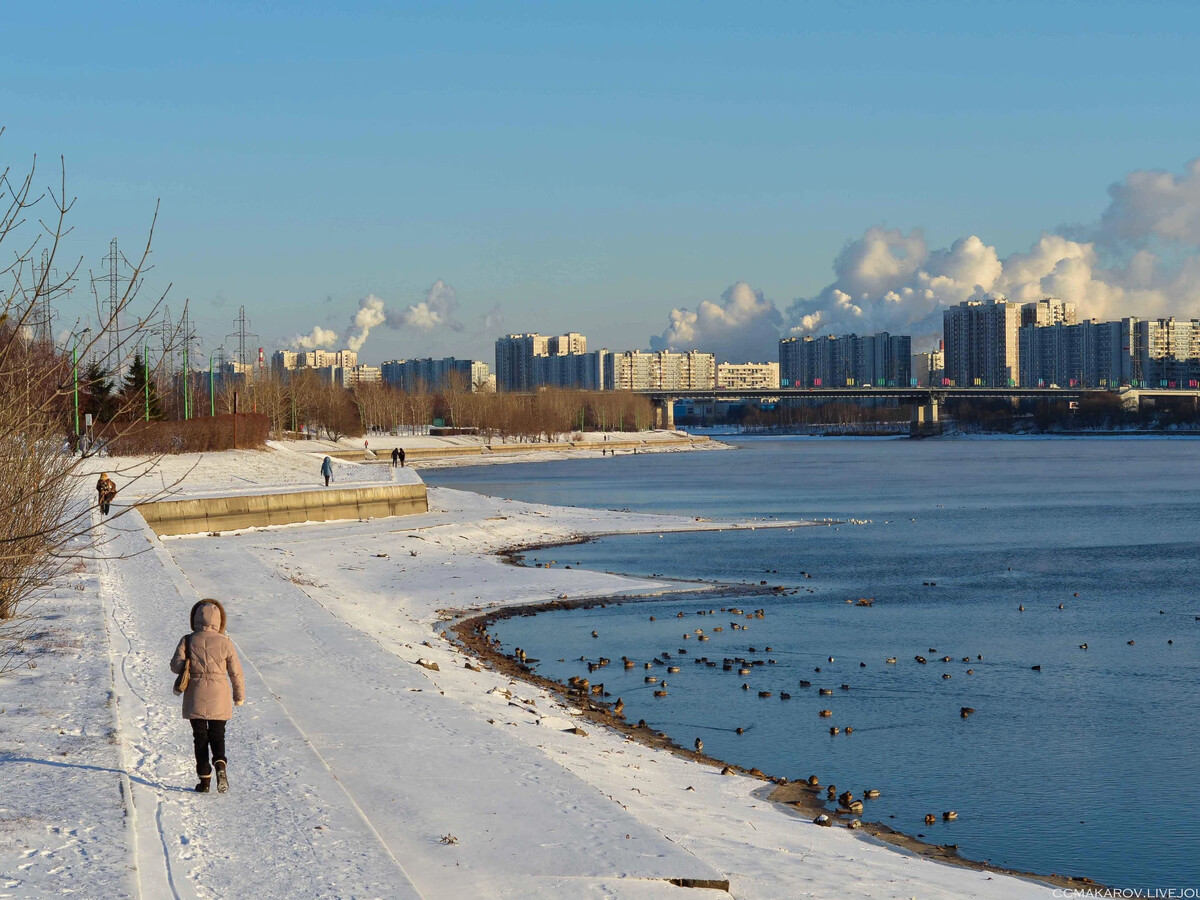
point(1089, 766)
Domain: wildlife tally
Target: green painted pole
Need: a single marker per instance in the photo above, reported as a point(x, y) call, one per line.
point(75, 370)
point(146, 374)
point(212, 397)
point(185, 384)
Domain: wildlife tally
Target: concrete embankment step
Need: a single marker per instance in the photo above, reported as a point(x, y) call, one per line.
point(207, 514)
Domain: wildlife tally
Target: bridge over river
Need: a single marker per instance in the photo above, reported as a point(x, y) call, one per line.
point(926, 401)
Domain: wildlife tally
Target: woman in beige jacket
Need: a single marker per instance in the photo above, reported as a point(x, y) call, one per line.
point(207, 701)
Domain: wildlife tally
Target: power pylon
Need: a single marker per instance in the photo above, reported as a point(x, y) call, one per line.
point(241, 334)
point(112, 278)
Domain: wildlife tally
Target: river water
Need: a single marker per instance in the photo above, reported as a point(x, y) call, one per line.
point(1090, 766)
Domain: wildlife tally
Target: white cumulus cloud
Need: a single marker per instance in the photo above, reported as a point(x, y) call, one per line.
point(1141, 258)
point(740, 328)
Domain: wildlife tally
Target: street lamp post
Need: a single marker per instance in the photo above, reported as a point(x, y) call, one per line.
point(75, 375)
point(75, 372)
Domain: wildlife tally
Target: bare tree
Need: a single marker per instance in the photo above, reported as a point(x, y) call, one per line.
point(335, 412)
point(46, 519)
point(420, 406)
point(372, 402)
point(455, 388)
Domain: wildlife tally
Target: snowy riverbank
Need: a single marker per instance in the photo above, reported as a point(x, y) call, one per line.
point(356, 771)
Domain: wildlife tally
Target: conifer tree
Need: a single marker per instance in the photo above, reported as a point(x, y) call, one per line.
point(133, 391)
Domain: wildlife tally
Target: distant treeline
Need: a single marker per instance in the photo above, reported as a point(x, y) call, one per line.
point(1101, 412)
point(303, 400)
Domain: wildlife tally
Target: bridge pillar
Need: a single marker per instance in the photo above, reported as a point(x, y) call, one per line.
point(664, 414)
point(926, 419)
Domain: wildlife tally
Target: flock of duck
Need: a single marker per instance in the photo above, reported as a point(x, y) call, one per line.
point(668, 662)
point(583, 687)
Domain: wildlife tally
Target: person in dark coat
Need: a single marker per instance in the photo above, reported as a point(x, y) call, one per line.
point(401, 451)
point(327, 470)
point(395, 456)
point(213, 667)
point(106, 490)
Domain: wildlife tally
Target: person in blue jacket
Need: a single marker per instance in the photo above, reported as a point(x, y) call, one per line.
point(327, 470)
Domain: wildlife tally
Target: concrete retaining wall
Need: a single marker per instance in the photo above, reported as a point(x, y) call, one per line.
point(207, 514)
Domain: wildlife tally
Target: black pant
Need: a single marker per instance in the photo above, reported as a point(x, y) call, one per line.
point(326, 481)
point(208, 733)
point(104, 507)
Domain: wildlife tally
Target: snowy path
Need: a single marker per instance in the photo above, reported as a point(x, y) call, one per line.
point(286, 829)
point(421, 765)
point(62, 778)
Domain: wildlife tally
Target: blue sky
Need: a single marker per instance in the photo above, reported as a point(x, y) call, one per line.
point(579, 166)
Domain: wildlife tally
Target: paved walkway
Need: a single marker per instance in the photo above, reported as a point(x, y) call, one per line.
point(348, 766)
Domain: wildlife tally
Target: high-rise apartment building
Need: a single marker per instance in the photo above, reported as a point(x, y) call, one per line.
point(747, 376)
point(435, 374)
point(636, 370)
point(1048, 311)
point(845, 360)
point(515, 355)
point(928, 367)
point(981, 343)
point(284, 361)
point(570, 344)
point(580, 371)
point(351, 376)
point(1085, 354)
point(1167, 352)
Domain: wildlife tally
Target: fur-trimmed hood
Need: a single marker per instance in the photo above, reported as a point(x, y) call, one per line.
point(197, 619)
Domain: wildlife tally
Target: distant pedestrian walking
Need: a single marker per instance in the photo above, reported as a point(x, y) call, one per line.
point(208, 657)
point(401, 451)
point(106, 490)
point(327, 470)
point(395, 456)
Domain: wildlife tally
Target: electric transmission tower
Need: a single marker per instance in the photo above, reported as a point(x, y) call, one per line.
point(187, 334)
point(115, 267)
point(47, 288)
point(241, 334)
point(187, 340)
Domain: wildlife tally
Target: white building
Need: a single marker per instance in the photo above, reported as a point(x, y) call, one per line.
point(747, 376)
point(1048, 311)
point(927, 368)
point(350, 376)
point(635, 370)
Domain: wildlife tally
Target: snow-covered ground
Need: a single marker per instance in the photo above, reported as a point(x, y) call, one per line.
point(279, 468)
point(588, 445)
point(355, 771)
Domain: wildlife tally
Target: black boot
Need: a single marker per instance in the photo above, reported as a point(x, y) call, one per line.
point(202, 787)
point(222, 780)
